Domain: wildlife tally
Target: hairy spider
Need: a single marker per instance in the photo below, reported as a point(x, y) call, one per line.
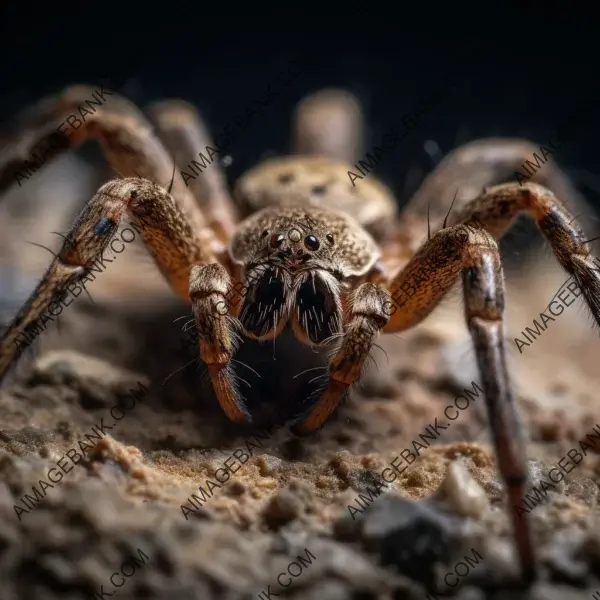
point(311, 250)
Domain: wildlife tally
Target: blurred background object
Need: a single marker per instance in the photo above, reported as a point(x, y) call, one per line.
point(520, 72)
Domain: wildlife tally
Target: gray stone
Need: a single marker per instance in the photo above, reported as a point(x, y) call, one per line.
point(410, 535)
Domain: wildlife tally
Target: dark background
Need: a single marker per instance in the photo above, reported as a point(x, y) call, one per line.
point(523, 69)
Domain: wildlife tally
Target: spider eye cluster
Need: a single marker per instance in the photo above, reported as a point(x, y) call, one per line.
point(311, 242)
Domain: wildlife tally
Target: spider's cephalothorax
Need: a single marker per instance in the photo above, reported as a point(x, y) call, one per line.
point(296, 262)
point(316, 250)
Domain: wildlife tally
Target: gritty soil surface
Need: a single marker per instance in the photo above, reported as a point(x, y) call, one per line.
point(128, 498)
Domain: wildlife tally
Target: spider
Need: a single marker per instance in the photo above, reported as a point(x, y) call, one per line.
point(311, 251)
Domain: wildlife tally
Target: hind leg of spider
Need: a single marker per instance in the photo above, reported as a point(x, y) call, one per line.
point(330, 123)
point(210, 291)
point(162, 225)
point(475, 166)
point(187, 137)
point(367, 315)
point(50, 127)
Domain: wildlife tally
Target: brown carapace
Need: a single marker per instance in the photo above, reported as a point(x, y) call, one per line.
point(311, 250)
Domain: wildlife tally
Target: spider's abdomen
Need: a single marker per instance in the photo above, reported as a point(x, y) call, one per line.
point(320, 182)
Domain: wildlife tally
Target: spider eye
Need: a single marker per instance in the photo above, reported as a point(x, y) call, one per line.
point(329, 238)
point(276, 240)
point(311, 242)
point(265, 233)
point(103, 226)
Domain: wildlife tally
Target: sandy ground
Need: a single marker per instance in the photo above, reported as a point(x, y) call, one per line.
point(125, 506)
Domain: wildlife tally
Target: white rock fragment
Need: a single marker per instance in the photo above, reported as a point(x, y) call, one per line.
point(462, 492)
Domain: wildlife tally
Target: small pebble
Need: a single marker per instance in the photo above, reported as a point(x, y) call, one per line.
point(462, 492)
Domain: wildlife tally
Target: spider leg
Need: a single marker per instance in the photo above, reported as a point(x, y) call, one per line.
point(62, 122)
point(187, 138)
point(329, 123)
point(418, 288)
point(431, 273)
point(162, 225)
point(367, 313)
point(483, 285)
point(497, 208)
point(210, 290)
point(477, 165)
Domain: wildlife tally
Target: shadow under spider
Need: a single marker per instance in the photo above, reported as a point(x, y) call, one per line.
point(279, 379)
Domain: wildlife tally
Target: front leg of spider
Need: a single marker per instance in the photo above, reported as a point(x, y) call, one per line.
point(165, 229)
point(210, 288)
point(368, 314)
